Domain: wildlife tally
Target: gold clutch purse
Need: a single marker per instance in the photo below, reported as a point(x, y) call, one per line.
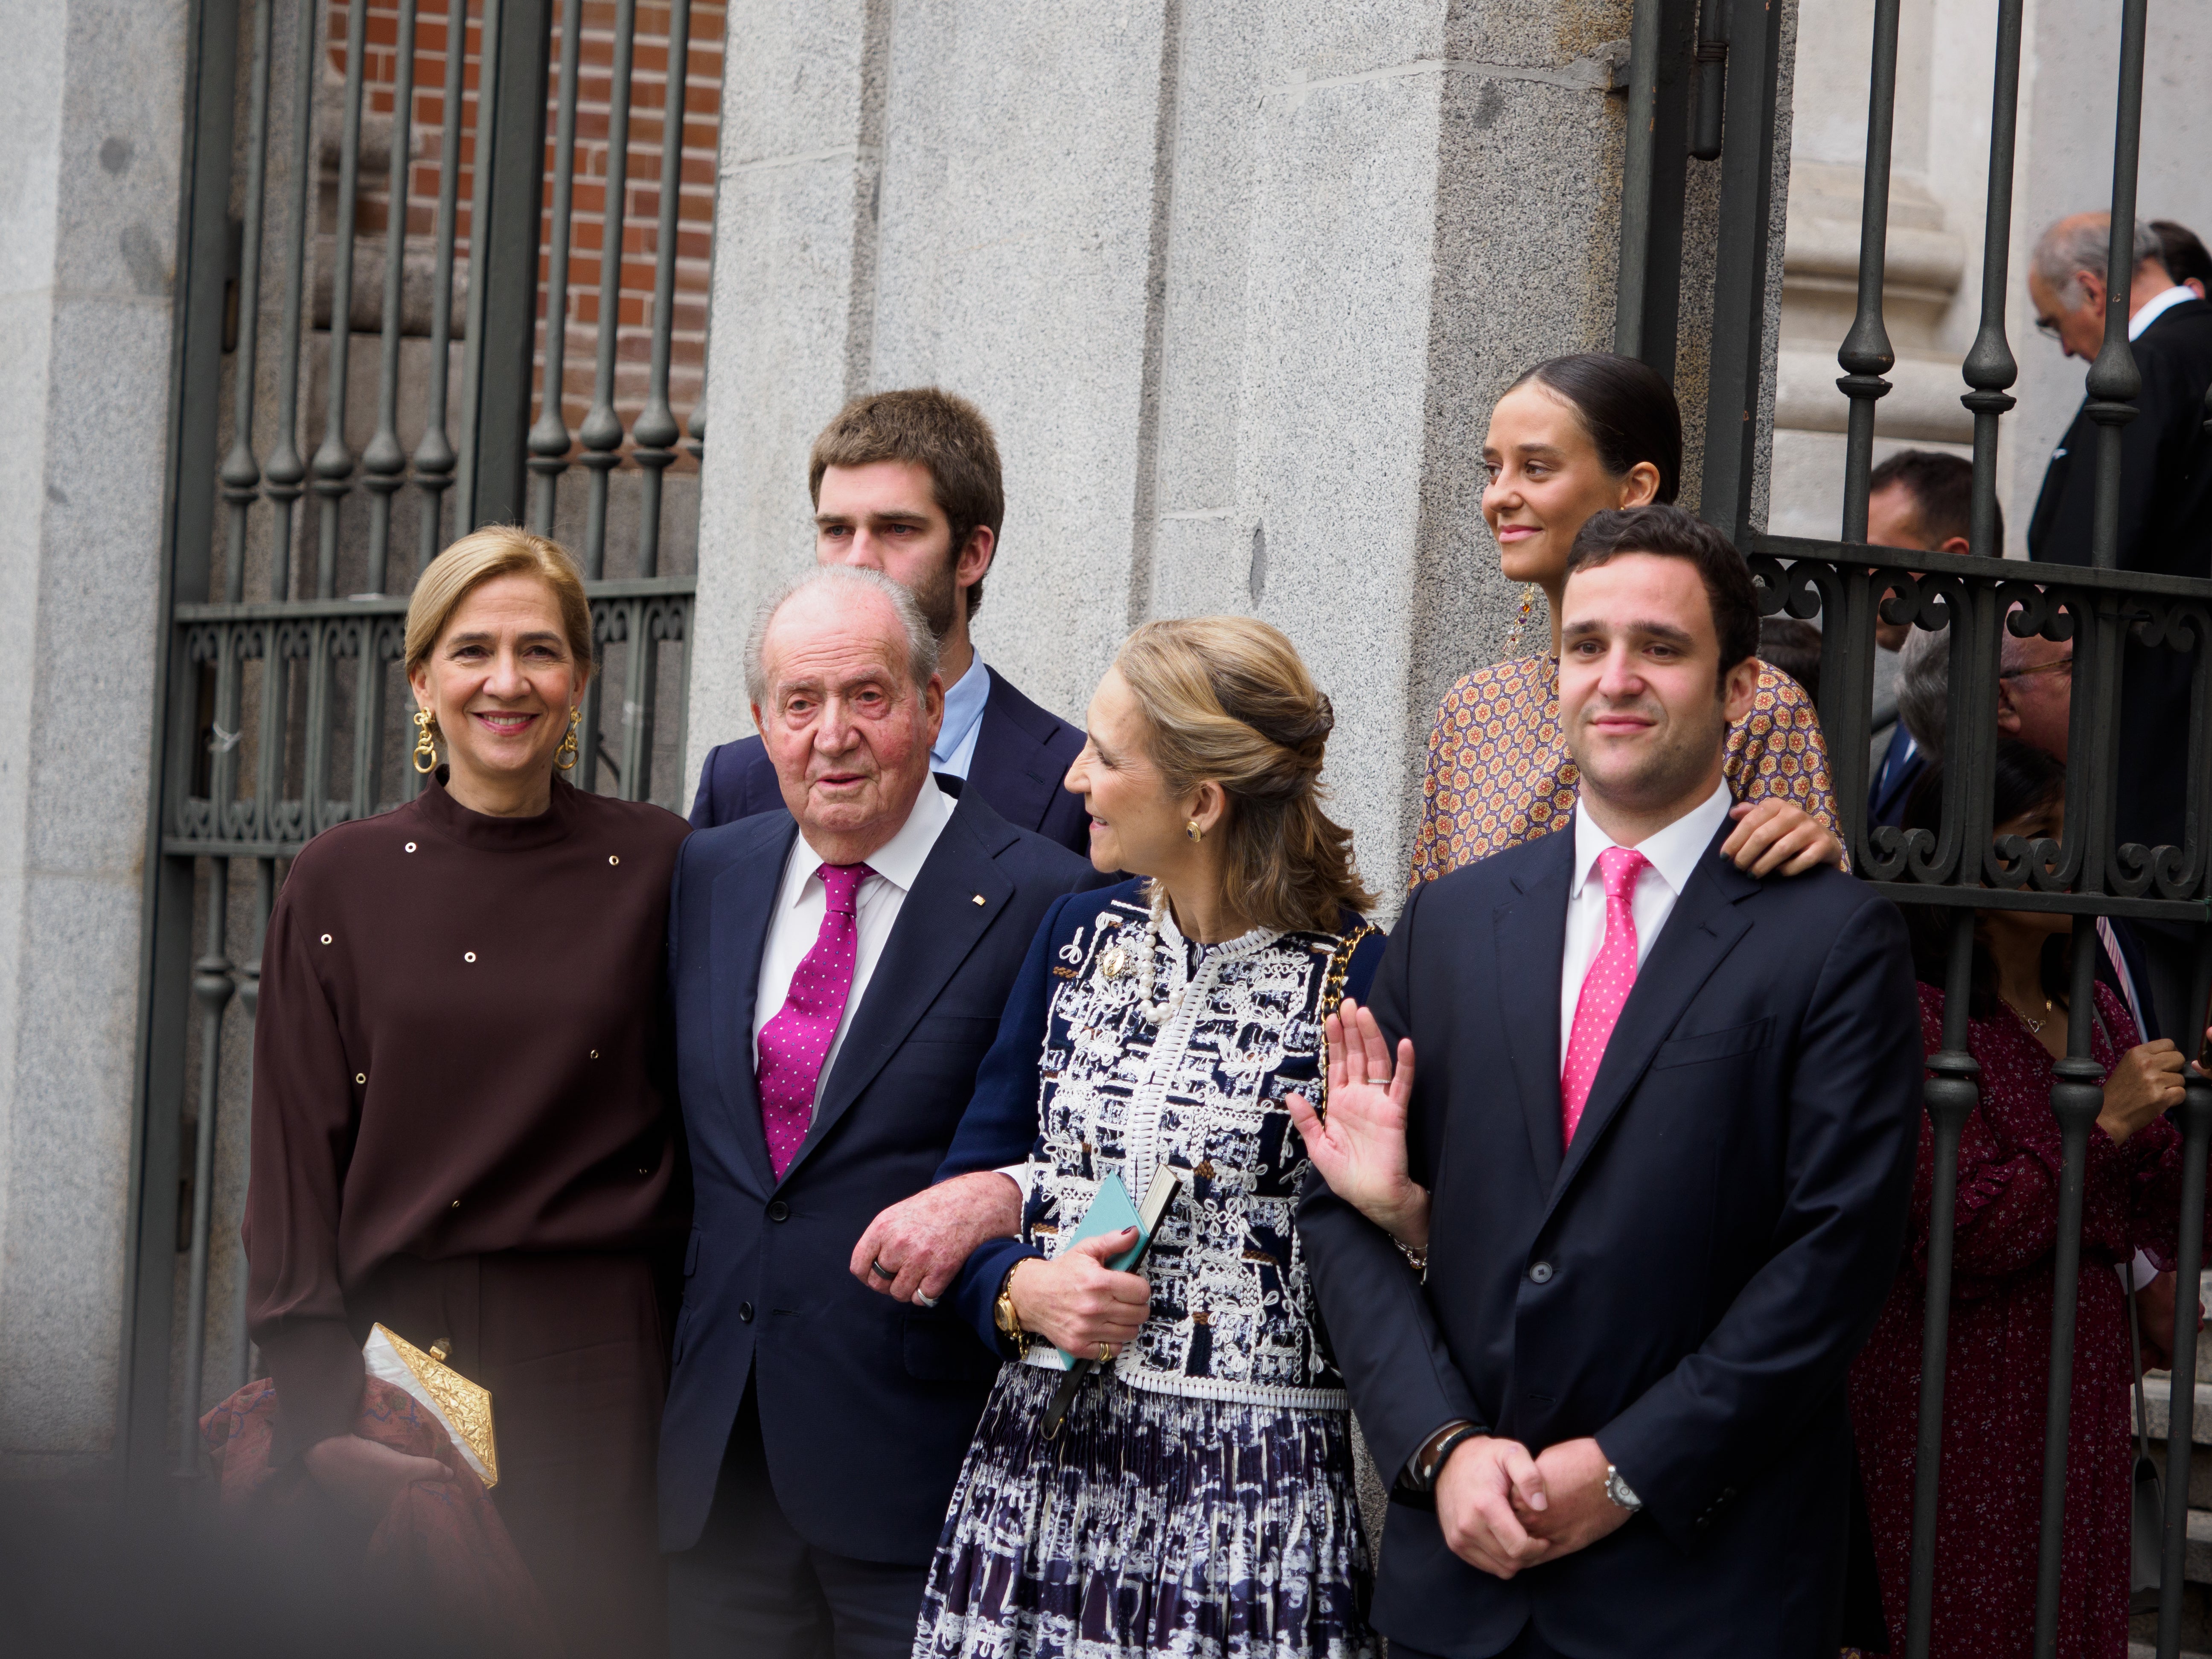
point(462, 1407)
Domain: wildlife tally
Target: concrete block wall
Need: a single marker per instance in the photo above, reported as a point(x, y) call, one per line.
point(1237, 284)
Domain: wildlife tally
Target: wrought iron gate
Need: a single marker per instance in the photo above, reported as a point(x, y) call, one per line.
point(1704, 85)
point(291, 551)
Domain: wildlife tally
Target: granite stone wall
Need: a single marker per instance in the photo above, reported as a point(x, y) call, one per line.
point(91, 146)
point(1238, 283)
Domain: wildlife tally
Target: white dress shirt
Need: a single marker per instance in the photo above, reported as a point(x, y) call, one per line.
point(964, 701)
point(2155, 307)
point(801, 903)
point(1672, 854)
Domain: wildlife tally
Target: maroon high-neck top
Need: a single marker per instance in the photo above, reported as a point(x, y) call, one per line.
point(462, 1048)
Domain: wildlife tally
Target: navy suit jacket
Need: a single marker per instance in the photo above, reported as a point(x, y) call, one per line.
point(1688, 1282)
point(1022, 754)
point(867, 1404)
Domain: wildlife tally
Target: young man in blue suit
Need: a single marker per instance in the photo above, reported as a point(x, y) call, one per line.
point(838, 967)
point(1631, 1216)
point(907, 483)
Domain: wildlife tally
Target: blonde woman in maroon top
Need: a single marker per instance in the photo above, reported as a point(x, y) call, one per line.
point(463, 1122)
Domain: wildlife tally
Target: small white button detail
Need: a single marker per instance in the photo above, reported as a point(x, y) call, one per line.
point(469, 956)
point(360, 1077)
point(979, 899)
point(611, 859)
point(595, 1054)
point(327, 939)
point(410, 846)
point(456, 1203)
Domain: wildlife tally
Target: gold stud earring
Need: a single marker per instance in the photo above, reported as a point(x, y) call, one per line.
point(1193, 831)
point(569, 744)
point(425, 741)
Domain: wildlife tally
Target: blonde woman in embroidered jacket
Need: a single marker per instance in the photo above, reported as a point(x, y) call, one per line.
point(1200, 1498)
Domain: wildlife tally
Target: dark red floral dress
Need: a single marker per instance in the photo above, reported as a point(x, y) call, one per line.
point(2000, 1358)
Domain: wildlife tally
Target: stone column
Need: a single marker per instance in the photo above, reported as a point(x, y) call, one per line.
point(91, 138)
point(1237, 284)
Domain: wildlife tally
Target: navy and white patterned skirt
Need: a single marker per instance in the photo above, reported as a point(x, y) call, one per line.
point(1154, 1523)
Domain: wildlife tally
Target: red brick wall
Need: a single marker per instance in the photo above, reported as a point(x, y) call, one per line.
point(649, 103)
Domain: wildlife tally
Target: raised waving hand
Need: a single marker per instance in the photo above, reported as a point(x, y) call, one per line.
point(1360, 1148)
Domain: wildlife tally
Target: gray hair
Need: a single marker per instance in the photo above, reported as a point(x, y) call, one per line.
point(2083, 242)
point(920, 643)
point(1923, 688)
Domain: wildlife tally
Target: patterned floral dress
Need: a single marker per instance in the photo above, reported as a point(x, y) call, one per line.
point(1990, 1492)
point(1199, 1500)
point(1498, 772)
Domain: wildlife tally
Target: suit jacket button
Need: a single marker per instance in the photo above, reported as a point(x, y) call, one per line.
point(778, 1210)
point(1541, 1273)
point(744, 1313)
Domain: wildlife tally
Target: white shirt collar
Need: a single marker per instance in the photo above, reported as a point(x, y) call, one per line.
point(964, 708)
point(898, 860)
point(1674, 851)
point(2155, 307)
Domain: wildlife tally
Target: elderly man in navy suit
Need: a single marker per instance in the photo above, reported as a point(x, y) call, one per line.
point(839, 966)
point(907, 483)
point(1596, 1270)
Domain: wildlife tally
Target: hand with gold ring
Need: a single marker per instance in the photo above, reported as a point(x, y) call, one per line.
point(1105, 1354)
point(1079, 1303)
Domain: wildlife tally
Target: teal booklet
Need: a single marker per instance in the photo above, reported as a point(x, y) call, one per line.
point(1110, 1212)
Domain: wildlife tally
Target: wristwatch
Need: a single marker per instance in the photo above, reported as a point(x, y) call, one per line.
point(1004, 1317)
point(1619, 1491)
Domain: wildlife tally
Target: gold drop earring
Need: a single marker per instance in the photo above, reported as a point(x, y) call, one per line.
point(425, 741)
point(1520, 621)
point(569, 744)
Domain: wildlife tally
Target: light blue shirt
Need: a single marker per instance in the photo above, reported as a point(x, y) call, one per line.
point(955, 749)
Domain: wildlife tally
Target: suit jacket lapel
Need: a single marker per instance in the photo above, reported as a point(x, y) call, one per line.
point(1702, 928)
point(937, 925)
point(1529, 933)
point(743, 908)
point(1015, 774)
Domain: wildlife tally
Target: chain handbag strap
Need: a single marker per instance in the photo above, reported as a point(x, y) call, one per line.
point(1332, 998)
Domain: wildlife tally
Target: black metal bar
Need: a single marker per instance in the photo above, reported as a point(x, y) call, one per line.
point(212, 987)
point(1740, 270)
point(2077, 1095)
point(1866, 355)
point(2113, 380)
point(1655, 172)
point(2189, 1266)
point(1712, 56)
point(503, 338)
point(1990, 368)
point(550, 439)
point(384, 463)
point(654, 438)
point(602, 431)
point(285, 478)
point(334, 462)
point(1953, 1090)
point(164, 965)
point(434, 455)
point(241, 473)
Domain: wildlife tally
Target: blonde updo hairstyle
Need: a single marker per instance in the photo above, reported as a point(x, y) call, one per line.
point(1227, 700)
point(486, 554)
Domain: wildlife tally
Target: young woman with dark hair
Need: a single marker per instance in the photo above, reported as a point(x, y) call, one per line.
point(1572, 437)
point(2004, 1282)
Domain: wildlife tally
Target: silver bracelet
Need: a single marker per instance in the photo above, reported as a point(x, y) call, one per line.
point(1418, 1260)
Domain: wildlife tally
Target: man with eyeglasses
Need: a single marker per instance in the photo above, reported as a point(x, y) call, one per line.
point(2166, 525)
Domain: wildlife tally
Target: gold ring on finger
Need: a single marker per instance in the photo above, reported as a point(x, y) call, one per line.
point(1105, 1352)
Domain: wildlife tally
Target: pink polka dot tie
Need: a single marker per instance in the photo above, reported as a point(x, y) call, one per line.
point(1611, 975)
point(794, 1042)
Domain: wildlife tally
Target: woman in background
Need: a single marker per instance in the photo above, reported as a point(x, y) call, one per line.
point(2006, 1231)
point(1572, 437)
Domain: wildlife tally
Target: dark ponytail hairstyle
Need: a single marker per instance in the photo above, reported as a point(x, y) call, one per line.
point(1625, 405)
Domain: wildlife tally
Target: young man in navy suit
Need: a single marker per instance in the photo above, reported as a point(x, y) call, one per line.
point(1629, 1220)
point(907, 483)
point(838, 968)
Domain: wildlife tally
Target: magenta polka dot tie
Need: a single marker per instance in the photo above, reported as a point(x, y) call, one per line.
point(794, 1043)
point(1611, 975)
